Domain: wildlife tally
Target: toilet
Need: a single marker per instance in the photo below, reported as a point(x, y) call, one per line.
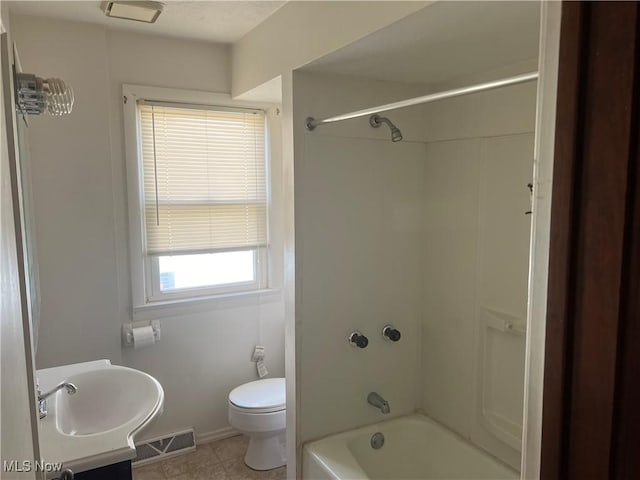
point(257, 409)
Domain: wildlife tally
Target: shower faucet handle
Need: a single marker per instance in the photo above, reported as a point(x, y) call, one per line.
point(390, 333)
point(357, 339)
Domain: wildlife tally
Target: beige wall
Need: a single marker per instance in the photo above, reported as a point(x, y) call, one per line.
point(81, 218)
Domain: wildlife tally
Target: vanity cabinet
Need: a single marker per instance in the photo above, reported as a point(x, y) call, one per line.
point(117, 471)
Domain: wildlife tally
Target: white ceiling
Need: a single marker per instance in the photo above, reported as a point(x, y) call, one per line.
point(213, 21)
point(442, 43)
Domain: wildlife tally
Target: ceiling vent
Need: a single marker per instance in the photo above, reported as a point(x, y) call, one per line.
point(140, 11)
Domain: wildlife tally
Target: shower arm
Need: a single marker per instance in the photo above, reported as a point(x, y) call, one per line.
point(311, 123)
point(376, 120)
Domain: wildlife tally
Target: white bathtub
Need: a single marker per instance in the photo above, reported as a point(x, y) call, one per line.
point(415, 448)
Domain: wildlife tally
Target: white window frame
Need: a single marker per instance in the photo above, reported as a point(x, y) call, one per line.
point(144, 268)
point(152, 279)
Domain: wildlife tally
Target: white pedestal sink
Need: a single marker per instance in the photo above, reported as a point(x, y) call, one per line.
point(96, 426)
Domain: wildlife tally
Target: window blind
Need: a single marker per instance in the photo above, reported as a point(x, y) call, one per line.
point(204, 179)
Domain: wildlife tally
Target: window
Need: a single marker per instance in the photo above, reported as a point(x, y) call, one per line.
point(202, 209)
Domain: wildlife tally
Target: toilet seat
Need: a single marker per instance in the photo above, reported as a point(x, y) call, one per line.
point(256, 411)
point(260, 396)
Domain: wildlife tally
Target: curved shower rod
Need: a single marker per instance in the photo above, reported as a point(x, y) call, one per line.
point(311, 123)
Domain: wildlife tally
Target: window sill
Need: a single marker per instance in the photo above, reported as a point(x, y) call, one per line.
point(187, 306)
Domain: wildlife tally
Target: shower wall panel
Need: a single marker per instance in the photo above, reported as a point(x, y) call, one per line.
point(359, 255)
point(476, 242)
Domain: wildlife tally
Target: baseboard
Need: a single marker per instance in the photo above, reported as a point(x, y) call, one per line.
point(215, 435)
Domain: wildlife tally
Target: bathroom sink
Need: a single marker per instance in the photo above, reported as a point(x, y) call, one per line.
point(97, 425)
point(106, 399)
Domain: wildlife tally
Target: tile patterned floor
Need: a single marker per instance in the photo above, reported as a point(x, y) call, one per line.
point(221, 460)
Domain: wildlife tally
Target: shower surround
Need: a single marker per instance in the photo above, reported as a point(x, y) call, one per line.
point(430, 234)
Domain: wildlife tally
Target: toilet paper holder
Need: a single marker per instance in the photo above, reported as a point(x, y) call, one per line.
point(127, 331)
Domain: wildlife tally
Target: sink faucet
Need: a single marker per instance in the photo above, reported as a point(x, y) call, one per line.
point(42, 397)
point(378, 402)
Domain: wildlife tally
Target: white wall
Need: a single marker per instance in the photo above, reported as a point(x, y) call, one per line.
point(358, 200)
point(81, 217)
point(72, 193)
point(301, 32)
point(17, 395)
point(479, 160)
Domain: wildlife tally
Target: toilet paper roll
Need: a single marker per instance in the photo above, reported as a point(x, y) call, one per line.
point(143, 337)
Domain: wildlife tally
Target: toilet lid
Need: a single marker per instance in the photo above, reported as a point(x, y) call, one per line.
point(267, 393)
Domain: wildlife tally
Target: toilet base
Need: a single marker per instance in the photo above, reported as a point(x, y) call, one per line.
point(266, 451)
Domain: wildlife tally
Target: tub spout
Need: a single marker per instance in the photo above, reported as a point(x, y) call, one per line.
point(378, 402)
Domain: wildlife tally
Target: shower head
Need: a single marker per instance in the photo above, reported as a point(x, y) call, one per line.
point(376, 120)
point(396, 134)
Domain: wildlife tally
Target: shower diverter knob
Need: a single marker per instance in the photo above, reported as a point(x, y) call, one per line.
point(390, 333)
point(356, 339)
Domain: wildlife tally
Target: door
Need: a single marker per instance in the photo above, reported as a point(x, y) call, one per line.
point(591, 424)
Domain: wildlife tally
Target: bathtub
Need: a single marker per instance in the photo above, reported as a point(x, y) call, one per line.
point(415, 447)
